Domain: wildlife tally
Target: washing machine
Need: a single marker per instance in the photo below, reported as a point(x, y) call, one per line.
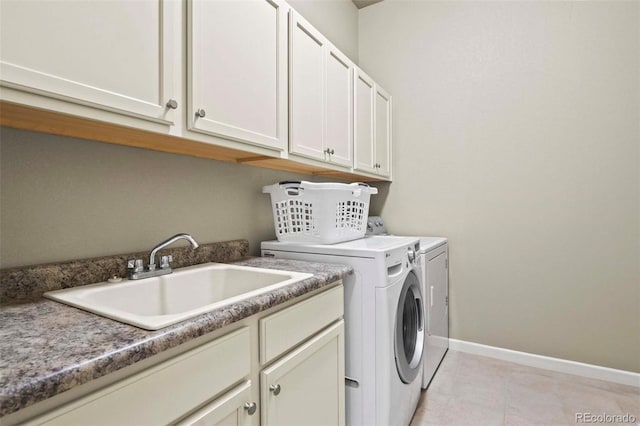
point(434, 262)
point(384, 323)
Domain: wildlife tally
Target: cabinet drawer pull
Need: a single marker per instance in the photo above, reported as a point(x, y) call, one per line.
point(172, 104)
point(201, 113)
point(250, 407)
point(275, 389)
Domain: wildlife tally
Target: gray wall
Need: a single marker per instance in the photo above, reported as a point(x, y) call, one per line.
point(63, 199)
point(516, 131)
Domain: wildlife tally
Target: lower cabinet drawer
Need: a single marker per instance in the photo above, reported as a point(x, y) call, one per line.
point(285, 329)
point(164, 393)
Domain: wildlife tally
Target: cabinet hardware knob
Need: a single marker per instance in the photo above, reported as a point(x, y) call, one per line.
point(201, 113)
point(250, 407)
point(172, 104)
point(275, 389)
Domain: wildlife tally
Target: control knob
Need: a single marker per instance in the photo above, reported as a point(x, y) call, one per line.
point(411, 255)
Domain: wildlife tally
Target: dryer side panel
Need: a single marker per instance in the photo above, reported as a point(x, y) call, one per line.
point(437, 310)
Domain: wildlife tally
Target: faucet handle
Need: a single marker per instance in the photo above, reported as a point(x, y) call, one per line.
point(135, 265)
point(165, 261)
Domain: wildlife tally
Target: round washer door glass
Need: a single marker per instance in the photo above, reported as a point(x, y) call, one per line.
point(409, 330)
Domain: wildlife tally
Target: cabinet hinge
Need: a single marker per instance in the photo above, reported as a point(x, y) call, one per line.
point(446, 300)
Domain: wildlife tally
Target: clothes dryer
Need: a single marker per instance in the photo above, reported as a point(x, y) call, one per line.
point(434, 262)
point(384, 323)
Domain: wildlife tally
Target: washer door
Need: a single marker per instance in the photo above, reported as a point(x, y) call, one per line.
point(409, 330)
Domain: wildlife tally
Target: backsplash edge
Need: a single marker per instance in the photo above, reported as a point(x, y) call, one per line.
point(28, 282)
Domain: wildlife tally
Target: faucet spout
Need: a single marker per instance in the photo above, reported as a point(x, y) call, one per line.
point(168, 241)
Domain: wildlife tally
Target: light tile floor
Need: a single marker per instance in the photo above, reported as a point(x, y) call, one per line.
point(475, 390)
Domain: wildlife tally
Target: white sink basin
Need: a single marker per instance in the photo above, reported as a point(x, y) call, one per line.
point(157, 302)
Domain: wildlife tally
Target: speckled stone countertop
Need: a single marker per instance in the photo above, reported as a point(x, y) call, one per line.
point(29, 282)
point(47, 348)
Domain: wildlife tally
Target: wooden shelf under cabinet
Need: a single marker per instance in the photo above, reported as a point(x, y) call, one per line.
point(55, 123)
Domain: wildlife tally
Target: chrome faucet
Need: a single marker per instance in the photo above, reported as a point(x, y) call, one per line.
point(136, 268)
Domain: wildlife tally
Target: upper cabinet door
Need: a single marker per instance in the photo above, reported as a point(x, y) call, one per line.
point(382, 133)
point(237, 70)
point(339, 108)
point(320, 96)
point(306, 88)
point(363, 104)
point(112, 55)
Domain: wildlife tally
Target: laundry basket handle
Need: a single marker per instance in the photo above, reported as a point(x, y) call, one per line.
point(292, 187)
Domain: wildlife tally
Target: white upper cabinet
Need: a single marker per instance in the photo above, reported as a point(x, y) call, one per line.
point(363, 129)
point(382, 132)
point(111, 55)
point(339, 107)
point(253, 76)
point(237, 70)
point(320, 106)
point(306, 88)
point(372, 134)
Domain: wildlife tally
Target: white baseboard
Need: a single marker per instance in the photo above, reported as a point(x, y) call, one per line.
point(548, 363)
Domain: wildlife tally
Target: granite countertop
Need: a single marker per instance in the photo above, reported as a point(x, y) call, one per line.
point(47, 348)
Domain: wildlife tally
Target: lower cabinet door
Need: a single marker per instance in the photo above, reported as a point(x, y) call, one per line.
point(234, 408)
point(306, 387)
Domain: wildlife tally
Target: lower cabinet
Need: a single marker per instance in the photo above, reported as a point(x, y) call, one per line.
point(282, 367)
point(306, 387)
point(165, 392)
point(231, 409)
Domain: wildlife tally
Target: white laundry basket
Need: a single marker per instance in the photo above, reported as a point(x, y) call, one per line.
point(322, 213)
